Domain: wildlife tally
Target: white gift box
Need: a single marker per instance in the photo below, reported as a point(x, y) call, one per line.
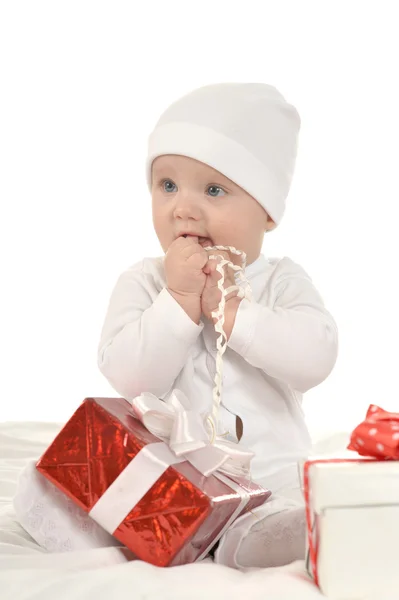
point(354, 514)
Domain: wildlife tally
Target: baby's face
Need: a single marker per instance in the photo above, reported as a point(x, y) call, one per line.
point(188, 196)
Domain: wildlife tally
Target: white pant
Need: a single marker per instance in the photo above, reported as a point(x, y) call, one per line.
point(271, 535)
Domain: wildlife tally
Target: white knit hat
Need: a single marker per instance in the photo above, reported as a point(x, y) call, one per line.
point(246, 131)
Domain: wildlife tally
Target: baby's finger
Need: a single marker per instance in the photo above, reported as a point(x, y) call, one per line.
point(211, 270)
point(210, 266)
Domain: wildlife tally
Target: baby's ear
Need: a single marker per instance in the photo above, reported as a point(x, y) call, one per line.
point(270, 224)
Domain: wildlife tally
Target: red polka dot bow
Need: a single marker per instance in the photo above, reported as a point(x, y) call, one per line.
point(377, 435)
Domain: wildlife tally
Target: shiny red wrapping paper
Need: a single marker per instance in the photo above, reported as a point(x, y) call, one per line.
point(179, 516)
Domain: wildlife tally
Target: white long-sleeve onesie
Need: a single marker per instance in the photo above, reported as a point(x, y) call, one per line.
point(283, 343)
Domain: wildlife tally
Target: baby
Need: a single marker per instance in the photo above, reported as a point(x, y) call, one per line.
point(219, 167)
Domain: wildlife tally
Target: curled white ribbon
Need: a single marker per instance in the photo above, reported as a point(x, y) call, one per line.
point(243, 292)
point(185, 431)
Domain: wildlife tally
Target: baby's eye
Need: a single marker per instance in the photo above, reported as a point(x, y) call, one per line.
point(168, 186)
point(168, 183)
point(213, 188)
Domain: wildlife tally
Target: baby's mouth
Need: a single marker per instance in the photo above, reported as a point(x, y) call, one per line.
point(205, 242)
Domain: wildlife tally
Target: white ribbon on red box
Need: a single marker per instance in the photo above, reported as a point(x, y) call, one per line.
point(185, 431)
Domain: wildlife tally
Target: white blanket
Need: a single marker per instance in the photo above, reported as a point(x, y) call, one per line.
point(29, 572)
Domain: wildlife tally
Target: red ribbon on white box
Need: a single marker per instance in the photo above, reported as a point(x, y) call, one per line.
point(377, 435)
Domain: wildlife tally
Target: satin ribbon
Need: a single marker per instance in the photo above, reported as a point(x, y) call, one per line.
point(376, 437)
point(186, 433)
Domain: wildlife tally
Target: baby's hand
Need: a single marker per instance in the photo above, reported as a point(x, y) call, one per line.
point(211, 294)
point(184, 263)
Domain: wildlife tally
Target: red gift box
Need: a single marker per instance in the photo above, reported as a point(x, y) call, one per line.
point(158, 505)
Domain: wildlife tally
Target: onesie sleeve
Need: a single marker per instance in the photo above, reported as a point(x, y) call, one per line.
point(144, 342)
point(296, 340)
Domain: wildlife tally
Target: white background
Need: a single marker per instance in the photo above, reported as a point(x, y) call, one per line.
point(82, 85)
